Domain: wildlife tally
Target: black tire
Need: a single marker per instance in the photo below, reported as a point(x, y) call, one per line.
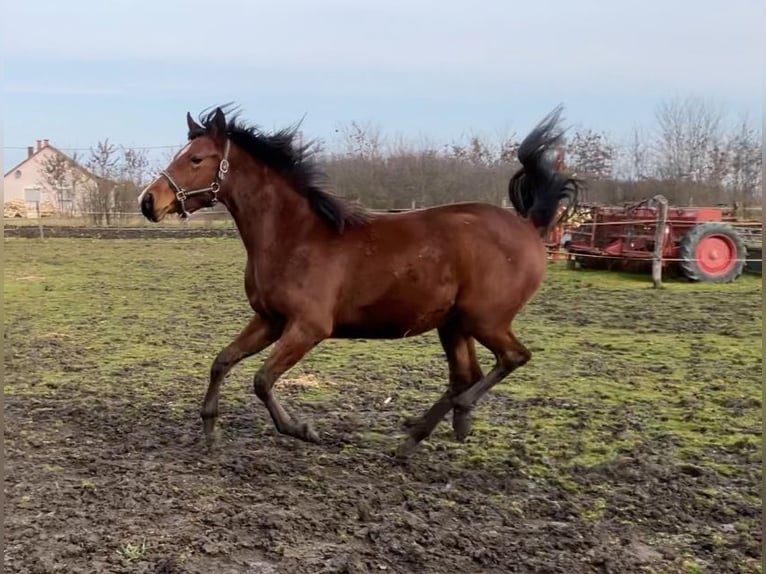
point(692, 269)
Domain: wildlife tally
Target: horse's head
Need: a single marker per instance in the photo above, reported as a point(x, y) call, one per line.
point(194, 176)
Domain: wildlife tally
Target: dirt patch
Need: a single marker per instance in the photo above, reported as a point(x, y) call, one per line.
point(135, 491)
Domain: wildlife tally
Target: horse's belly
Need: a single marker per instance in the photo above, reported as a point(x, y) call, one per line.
point(394, 319)
point(411, 292)
point(387, 330)
point(380, 331)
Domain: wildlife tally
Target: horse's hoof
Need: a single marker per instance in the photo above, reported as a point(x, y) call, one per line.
point(461, 434)
point(210, 430)
point(461, 425)
point(208, 446)
point(410, 422)
point(307, 433)
point(211, 436)
point(407, 448)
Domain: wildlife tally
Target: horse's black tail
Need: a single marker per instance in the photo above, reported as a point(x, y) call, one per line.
point(537, 188)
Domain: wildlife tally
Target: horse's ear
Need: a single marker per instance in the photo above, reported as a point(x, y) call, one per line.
point(219, 124)
point(194, 127)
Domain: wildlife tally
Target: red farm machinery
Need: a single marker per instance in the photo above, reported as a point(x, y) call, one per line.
point(701, 244)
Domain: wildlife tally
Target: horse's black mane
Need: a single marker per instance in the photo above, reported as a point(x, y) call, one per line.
point(297, 163)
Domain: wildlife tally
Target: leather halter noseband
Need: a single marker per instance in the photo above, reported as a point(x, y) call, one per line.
point(182, 195)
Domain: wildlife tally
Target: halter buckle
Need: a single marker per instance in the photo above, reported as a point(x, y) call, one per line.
point(215, 188)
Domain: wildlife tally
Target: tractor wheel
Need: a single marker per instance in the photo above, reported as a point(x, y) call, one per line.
point(712, 252)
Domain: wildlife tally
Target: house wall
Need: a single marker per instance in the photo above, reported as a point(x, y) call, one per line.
point(18, 183)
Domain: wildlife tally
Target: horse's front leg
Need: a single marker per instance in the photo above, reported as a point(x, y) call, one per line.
point(256, 336)
point(296, 341)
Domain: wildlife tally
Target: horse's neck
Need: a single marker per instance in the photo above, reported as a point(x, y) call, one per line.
point(267, 218)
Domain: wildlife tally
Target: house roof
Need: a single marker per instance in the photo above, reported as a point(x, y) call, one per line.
point(58, 151)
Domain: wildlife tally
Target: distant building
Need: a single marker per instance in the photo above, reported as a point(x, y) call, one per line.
point(48, 179)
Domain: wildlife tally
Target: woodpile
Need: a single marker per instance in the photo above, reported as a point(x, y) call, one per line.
point(15, 208)
point(19, 208)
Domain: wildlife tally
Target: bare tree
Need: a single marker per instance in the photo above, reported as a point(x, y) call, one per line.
point(689, 140)
point(99, 199)
point(135, 165)
point(690, 157)
point(61, 175)
point(361, 140)
point(633, 160)
point(745, 161)
point(509, 150)
point(591, 154)
point(477, 152)
point(130, 174)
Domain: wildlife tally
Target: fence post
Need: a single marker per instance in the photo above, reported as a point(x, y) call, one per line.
point(659, 240)
point(39, 220)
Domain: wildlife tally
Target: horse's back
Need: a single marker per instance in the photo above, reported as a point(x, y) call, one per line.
point(411, 270)
point(468, 228)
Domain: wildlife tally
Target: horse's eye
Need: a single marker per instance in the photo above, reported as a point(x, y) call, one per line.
point(196, 160)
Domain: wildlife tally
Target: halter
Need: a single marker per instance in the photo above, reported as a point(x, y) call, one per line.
point(182, 195)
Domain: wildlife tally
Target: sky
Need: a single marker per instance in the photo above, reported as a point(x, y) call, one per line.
point(79, 72)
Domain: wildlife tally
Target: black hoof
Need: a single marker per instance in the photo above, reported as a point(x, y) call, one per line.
point(462, 421)
point(410, 422)
point(211, 433)
point(407, 448)
point(307, 433)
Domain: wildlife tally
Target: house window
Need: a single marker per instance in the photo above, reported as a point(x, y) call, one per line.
point(32, 194)
point(17, 175)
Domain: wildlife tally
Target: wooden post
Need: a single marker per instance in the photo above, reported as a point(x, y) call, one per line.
point(39, 220)
point(659, 240)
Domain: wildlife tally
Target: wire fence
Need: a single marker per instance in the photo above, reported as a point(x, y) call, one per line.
point(219, 216)
point(647, 258)
point(220, 223)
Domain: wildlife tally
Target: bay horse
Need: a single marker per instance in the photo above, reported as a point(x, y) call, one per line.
point(321, 267)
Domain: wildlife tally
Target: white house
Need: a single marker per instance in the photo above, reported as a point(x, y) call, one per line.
point(47, 178)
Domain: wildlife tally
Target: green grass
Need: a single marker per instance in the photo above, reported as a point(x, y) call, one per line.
point(615, 363)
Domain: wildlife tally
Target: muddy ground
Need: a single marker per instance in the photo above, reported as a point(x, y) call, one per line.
point(630, 443)
point(179, 231)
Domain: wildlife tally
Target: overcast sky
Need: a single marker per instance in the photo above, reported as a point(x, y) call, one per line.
point(77, 72)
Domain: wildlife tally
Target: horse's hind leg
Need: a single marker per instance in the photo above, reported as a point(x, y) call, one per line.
point(509, 353)
point(256, 336)
point(464, 371)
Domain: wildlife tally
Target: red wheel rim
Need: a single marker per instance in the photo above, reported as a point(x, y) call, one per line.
point(716, 255)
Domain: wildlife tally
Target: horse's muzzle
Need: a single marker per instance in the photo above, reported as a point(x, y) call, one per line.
point(147, 207)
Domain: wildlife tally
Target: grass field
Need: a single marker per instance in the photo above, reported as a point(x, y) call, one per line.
point(630, 443)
